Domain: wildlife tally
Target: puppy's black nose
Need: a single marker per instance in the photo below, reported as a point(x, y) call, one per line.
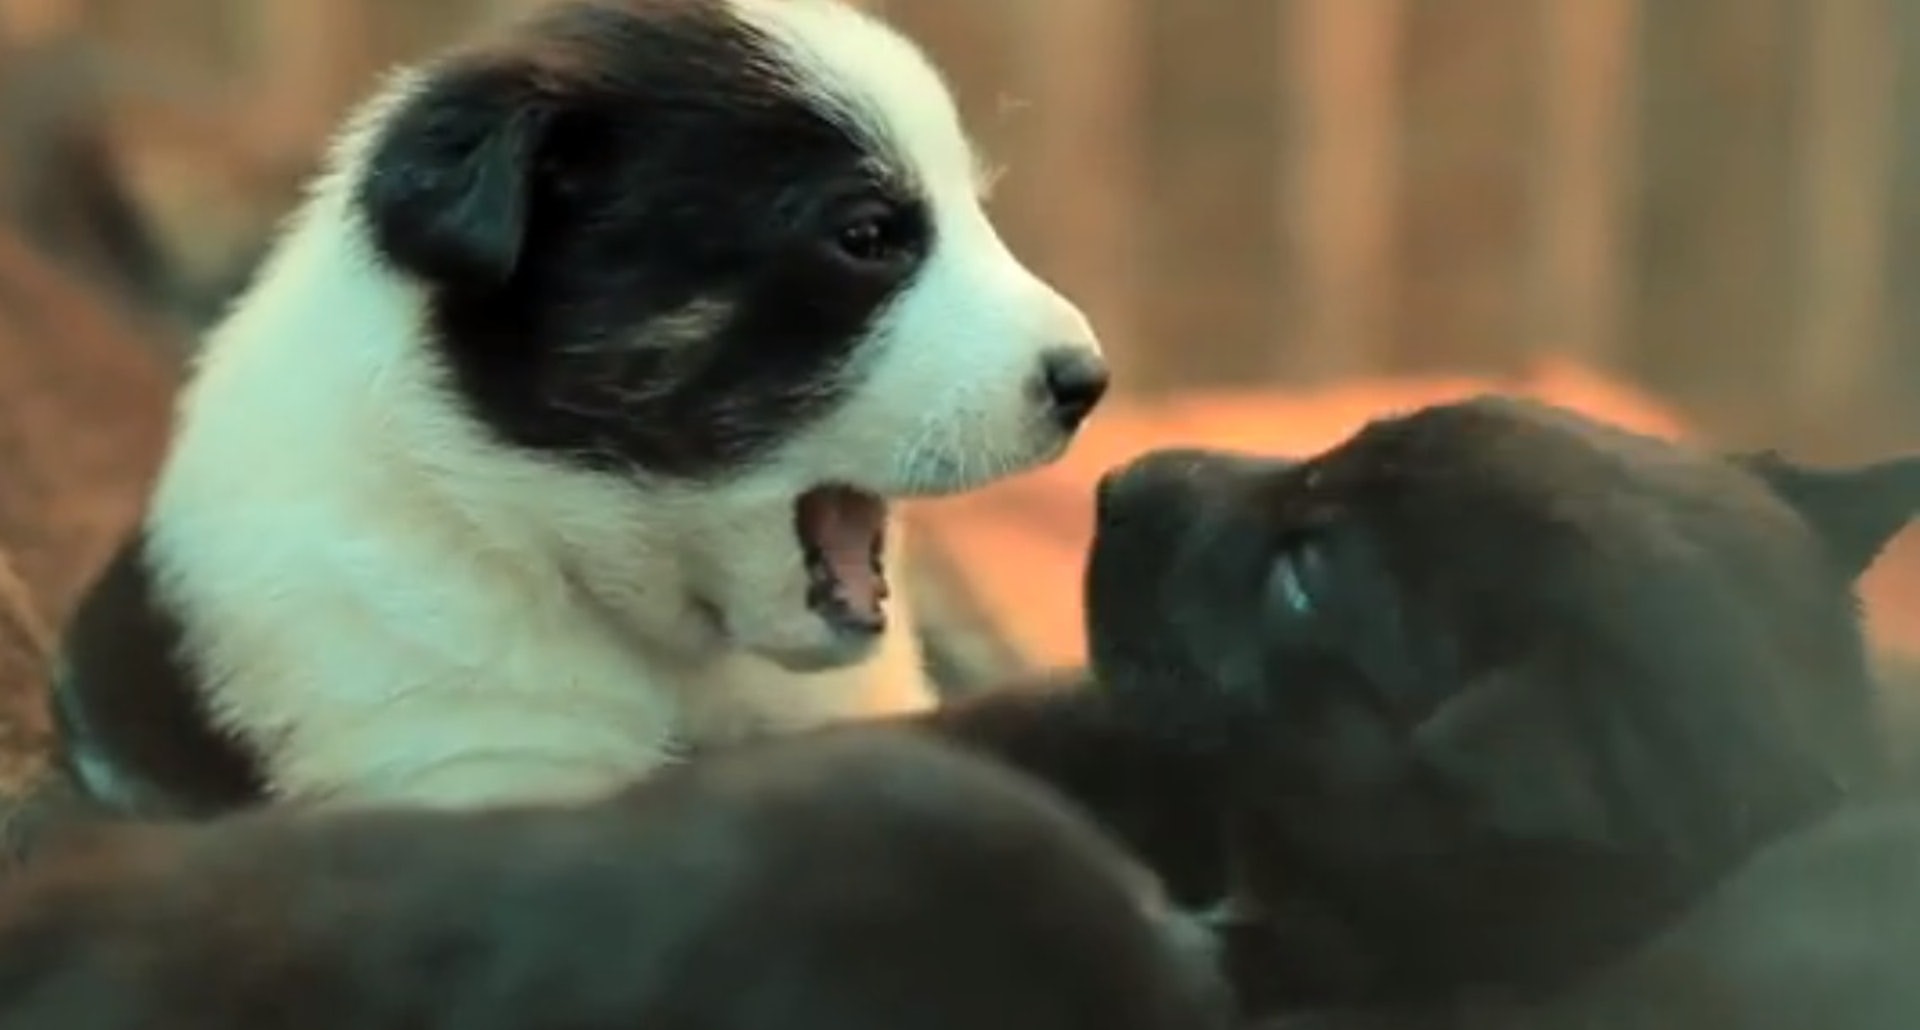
point(1157, 484)
point(1174, 483)
point(1076, 380)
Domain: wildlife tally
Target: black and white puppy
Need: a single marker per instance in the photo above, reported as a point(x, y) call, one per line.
point(559, 429)
point(852, 880)
point(1492, 692)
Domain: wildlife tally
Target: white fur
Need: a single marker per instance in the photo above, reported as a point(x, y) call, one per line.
point(393, 608)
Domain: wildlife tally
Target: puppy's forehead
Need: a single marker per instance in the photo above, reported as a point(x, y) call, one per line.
point(753, 58)
point(1541, 472)
point(1506, 443)
point(875, 82)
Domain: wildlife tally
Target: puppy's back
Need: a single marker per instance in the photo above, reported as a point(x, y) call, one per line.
point(1817, 930)
point(848, 880)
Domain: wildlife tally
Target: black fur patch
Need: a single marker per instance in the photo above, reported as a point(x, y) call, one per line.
point(630, 217)
point(1154, 798)
point(858, 880)
point(132, 729)
point(1497, 688)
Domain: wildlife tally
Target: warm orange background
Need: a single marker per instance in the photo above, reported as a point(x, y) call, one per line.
point(1023, 542)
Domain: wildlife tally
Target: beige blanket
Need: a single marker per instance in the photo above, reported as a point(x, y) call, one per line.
point(84, 400)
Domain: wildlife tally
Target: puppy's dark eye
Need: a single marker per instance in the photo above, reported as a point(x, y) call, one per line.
point(878, 234)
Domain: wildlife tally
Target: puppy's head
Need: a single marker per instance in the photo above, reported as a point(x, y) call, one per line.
point(1493, 640)
point(734, 251)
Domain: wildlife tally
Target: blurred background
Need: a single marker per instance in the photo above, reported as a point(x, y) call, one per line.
point(1700, 217)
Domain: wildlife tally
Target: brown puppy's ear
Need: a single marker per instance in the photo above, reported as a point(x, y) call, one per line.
point(1502, 742)
point(1855, 510)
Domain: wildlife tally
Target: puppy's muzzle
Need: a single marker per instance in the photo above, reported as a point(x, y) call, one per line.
point(1180, 548)
point(1166, 493)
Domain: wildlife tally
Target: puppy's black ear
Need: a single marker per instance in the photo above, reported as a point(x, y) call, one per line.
point(1855, 510)
point(446, 188)
point(1504, 743)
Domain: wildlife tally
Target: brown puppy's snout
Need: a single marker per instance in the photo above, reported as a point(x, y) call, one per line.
point(1103, 492)
point(1143, 510)
point(1158, 481)
point(1175, 487)
point(1172, 591)
point(1175, 530)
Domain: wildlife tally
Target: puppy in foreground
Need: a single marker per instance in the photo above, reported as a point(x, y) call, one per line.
point(1492, 693)
point(852, 880)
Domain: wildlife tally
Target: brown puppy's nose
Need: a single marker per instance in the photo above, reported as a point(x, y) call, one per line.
point(1174, 485)
point(1103, 492)
point(1076, 379)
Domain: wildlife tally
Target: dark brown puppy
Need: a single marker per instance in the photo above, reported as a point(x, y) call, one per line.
point(1160, 799)
point(1493, 690)
point(858, 880)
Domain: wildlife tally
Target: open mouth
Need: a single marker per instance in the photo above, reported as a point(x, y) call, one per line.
point(843, 535)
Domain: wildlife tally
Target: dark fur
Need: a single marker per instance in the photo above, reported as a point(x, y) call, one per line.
point(1156, 799)
point(1153, 798)
point(1818, 930)
point(849, 880)
point(660, 132)
point(1554, 679)
point(127, 710)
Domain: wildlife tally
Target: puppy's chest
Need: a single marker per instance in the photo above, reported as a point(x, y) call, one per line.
point(741, 696)
point(521, 715)
point(508, 716)
point(744, 698)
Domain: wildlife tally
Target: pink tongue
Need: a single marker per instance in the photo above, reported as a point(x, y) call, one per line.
point(845, 525)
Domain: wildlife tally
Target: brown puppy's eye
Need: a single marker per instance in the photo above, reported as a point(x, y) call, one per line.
point(1290, 579)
